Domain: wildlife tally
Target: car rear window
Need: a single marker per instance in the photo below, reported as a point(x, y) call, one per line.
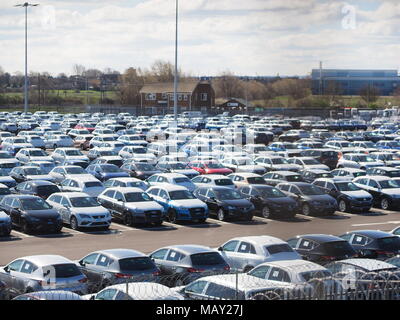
point(389, 243)
point(329, 154)
point(47, 190)
point(92, 184)
point(207, 259)
point(338, 248)
point(278, 248)
point(136, 264)
point(223, 182)
point(66, 270)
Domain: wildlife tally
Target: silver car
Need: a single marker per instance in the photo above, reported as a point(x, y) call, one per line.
point(245, 253)
point(59, 295)
point(43, 272)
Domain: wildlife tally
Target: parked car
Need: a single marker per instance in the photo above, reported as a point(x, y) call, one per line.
point(313, 174)
point(40, 188)
point(325, 156)
point(182, 264)
point(226, 203)
point(322, 248)
point(103, 172)
point(269, 201)
point(132, 206)
point(126, 183)
point(140, 170)
point(58, 295)
point(43, 272)
point(246, 178)
point(91, 186)
point(209, 167)
point(213, 180)
point(276, 177)
point(5, 224)
point(171, 178)
point(276, 163)
point(372, 243)
point(26, 173)
point(245, 253)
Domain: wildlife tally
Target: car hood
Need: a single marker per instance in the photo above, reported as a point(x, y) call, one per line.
point(91, 211)
point(323, 197)
point(237, 203)
point(188, 203)
point(40, 177)
point(357, 194)
point(144, 205)
point(218, 170)
point(41, 158)
point(43, 214)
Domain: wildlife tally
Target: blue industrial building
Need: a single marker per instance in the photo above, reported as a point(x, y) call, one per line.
point(350, 82)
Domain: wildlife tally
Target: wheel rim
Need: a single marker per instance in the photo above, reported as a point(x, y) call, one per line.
point(342, 206)
point(266, 212)
point(172, 217)
point(306, 210)
point(384, 204)
point(74, 224)
point(128, 219)
point(221, 215)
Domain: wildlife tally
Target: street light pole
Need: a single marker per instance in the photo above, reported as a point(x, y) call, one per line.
point(26, 5)
point(176, 65)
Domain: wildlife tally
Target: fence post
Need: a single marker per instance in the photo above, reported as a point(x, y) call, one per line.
point(237, 285)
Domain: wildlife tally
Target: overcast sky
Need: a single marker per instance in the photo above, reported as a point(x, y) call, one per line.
point(248, 37)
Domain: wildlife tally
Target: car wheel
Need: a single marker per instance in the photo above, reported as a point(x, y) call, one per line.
point(342, 206)
point(128, 219)
point(202, 220)
point(266, 212)
point(221, 215)
point(172, 216)
point(385, 203)
point(306, 209)
point(55, 147)
point(74, 223)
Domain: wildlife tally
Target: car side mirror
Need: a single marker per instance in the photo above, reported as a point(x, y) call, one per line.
point(220, 249)
point(83, 264)
point(6, 269)
point(213, 199)
point(92, 297)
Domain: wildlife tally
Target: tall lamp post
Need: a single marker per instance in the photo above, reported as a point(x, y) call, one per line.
point(26, 5)
point(176, 65)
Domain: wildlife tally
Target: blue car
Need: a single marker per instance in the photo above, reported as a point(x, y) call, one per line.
point(5, 224)
point(103, 172)
point(179, 203)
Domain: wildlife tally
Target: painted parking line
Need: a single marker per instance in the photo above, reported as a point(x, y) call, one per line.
point(374, 223)
point(121, 227)
point(20, 234)
point(345, 214)
point(304, 216)
point(173, 225)
point(262, 219)
point(385, 211)
point(217, 221)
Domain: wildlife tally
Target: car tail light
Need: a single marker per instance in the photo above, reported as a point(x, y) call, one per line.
point(156, 273)
point(227, 268)
point(83, 280)
point(192, 270)
point(385, 253)
point(122, 275)
point(340, 155)
point(329, 258)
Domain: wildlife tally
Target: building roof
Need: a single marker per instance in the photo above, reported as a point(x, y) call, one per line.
point(168, 87)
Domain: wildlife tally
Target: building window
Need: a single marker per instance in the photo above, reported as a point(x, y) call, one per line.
point(179, 97)
point(151, 96)
point(203, 97)
point(165, 96)
point(185, 97)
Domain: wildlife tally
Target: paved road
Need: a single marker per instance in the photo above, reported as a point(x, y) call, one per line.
point(75, 244)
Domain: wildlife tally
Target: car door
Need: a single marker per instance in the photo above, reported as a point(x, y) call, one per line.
point(11, 272)
point(118, 203)
point(159, 257)
point(373, 189)
point(228, 251)
point(15, 212)
point(65, 209)
point(87, 266)
point(211, 201)
point(22, 281)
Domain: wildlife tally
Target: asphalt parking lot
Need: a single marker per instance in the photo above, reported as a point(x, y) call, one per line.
point(75, 244)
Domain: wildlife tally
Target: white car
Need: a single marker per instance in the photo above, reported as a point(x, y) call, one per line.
point(55, 141)
point(243, 164)
point(213, 180)
point(61, 173)
point(98, 140)
point(137, 152)
point(171, 178)
point(80, 210)
point(359, 161)
point(245, 253)
point(307, 163)
point(32, 154)
point(64, 154)
point(91, 186)
point(133, 140)
point(36, 141)
point(126, 183)
point(19, 142)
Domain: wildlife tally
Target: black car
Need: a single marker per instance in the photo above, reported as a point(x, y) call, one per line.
point(311, 198)
point(312, 174)
point(373, 244)
point(347, 194)
point(225, 203)
point(322, 248)
point(31, 213)
point(40, 188)
point(140, 170)
point(325, 156)
point(270, 201)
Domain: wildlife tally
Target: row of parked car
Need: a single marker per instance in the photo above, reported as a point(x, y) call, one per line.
point(189, 269)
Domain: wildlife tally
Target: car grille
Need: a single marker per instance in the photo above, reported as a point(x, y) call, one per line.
point(196, 211)
point(99, 217)
point(152, 212)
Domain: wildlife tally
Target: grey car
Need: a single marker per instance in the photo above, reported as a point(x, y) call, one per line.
point(182, 264)
point(43, 272)
point(59, 295)
point(107, 267)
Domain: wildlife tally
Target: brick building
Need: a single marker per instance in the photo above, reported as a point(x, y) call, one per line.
point(158, 98)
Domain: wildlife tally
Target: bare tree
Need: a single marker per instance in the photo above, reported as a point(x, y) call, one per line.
point(131, 83)
point(369, 94)
point(227, 85)
point(78, 70)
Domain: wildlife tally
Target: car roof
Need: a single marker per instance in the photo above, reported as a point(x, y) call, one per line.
point(45, 260)
point(386, 168)
point(320, 237)
point(260, 240)
point(369, 264)
point(121, 253)
point(168, 187)
point(285, 173)
point(191, 248)
point(378, 178)
point(297, 265)
point(376, 234)
point(245, 174)
point(40, 183)
point(146, 290)
point(125, 190)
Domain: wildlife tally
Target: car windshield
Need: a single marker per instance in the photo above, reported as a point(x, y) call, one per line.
point(47, 190)
point(137, 197)
point(177, 166)
point(358, 174)
point(73, 153)
point(347, 186)
point(260, 149)
point(207, 259)
point(37, 153)
point(108, 153)
point(33, 171)
point(139, 184)
point(271, 193)
point(389, 184)
point(5, 155)
point(244, 162)
point(256, 180)
point(228, 195)
point(84, 202)
point(310, 190)
point(363, 159)
point(278, 161)
point(181, 195)
point(34, 204)
point(93, 184)
point(278, 248)
point(214, 165)
point(75, 170)
point(325, 175)
point(4, 191)
point(19, 141)
point(294, 178)
point(110, 168)
point(182, 180)
point(136, 264)
point(145, 167)
point(344, 144)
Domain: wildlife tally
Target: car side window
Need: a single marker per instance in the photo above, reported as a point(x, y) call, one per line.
point(28, 267)
point(173, 256)
point(306, 244)
point(109, 193)
point(90, 259)
point(107, 294)
point(278, 274)
point(65, 202)
point(104, 261)
point(260, 272)
point(230, 246)
point(330, 186)
point(163, 194)
point(122, 296)
point(118, 196)
point(246, 247)
point(15, 265)
point(196, 287)
point(153, 179)
point(294, 190)
point(359, 240)
point(159, 254)
point(373, 184)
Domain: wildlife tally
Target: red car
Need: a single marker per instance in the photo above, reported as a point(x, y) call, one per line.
point(88, 126)
point(209, 167)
